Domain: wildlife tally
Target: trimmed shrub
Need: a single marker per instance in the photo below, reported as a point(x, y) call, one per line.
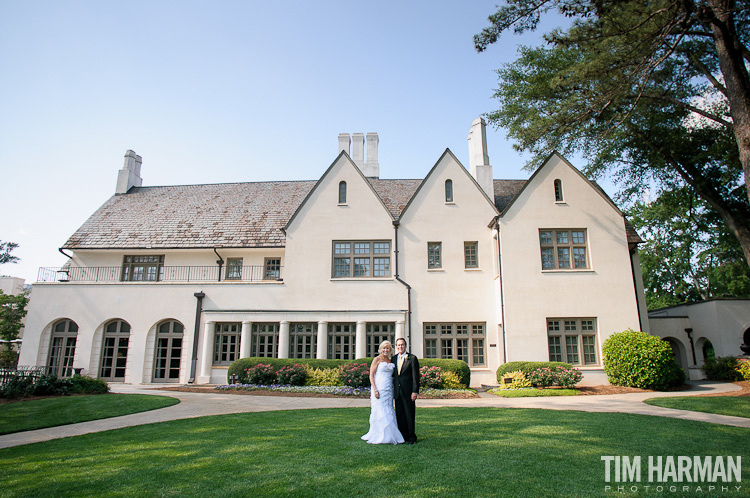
point(50, 385)
point(637, 359)
point(555, 376)
point(17, 387)
point(355, 374)
point(744, 369)
point(723, 368)
point(322, 376)
point(293, 375)
point(568, 377)
point(527, 367)
point(239, 367)
point(518, 381)
point(430, 377)
point(83, 384)
point(261, 374)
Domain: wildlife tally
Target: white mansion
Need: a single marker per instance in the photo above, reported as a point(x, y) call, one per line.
point(172, 284)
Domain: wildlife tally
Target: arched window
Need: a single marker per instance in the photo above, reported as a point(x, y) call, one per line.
point(168, 351)
point(558, 191)
point(708, 351)
point(115, 350)
point(342, 193)
point(448, 190)
point(62, 348)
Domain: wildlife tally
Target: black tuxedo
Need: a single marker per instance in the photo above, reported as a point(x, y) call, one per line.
point(404, 384)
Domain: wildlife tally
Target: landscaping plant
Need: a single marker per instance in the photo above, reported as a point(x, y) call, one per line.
point(293, 375)
point(722, 368)
point(637, 359)
point(430, 377)
point(261, 374)
point(518, 381)
point(355, 374)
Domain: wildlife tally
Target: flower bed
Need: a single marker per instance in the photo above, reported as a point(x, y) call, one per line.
point(335, 391)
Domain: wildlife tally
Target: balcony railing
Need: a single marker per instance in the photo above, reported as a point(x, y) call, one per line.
point(163, 274)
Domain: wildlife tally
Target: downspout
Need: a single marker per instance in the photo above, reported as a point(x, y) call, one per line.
point(62, 251)
point(635, 286)
point(219, 262)
point(198, 309)
point(502, 284)
point(408, 287)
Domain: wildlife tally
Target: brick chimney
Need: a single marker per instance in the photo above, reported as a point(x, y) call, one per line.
point(130, 174)
point(479, 161)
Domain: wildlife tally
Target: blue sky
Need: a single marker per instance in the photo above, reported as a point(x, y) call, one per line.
point(227, 91)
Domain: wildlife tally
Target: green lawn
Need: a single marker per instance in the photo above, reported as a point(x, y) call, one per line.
point(736, 406)
point(462, 452)
point(51, 412)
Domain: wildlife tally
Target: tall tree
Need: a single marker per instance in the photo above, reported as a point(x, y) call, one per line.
point(12, 312)
point(688, 254)
point(657, 92)
point(5, 252)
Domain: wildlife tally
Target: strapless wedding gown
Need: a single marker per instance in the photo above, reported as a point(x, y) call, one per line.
point(383, 427)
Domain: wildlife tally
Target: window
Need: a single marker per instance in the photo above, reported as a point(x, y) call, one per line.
point(457, 341)
point(572, 340)
point(448, 190)
point(471, 258)
point(362, 259)
point(341, 341)
point(62, 348)
point(234, 268)
point(558, 191)
point(226, 342)
point(563, 249)
point(342, 193)
point(143, 268)
point(272, 269)
point(265, 340)
point(168, 352)
point(434, 255)
point(115, 351)
point(302, 340)
point(377, 333)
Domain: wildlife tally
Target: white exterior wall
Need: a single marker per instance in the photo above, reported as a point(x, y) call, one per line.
point(604, 291)
point(452, 294)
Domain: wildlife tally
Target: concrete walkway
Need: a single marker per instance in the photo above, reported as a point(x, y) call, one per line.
point(216, 403)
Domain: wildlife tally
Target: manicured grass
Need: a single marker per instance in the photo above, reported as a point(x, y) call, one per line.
point(462, 452)
point(736, 406)
point(532, 393)
point(51, 412)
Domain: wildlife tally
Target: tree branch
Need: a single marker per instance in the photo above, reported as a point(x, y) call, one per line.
point(705, 114)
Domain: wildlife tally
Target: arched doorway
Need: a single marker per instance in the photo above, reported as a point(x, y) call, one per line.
point(168, 354)
point(115, 351)
point(62, 348)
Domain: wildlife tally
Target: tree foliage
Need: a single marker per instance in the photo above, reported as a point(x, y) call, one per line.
point(688, 254)
point(657, 93)
point(12, 313)
point(5, 252)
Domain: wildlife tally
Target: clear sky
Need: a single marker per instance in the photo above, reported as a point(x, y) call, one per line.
point(227, 91)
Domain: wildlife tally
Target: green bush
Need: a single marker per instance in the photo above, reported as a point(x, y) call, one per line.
point(17, 387)
point(723, 368)
point(355, 375)
point(261, 374)
point(430, 377)
point(239, 367)
point(527, 367)
point(83, 384)
point(518, 381)
point(50, 385)
point(293, 375)
point(744, 369)
point(637, 359)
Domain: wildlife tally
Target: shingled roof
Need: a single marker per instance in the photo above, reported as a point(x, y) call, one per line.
point(226, 215)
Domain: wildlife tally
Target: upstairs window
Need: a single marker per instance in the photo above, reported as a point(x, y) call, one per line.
point(448, 190)
point(272, 269)
point(143, 268)
point(434, 255)
point(471, 258)
point(563, 249)
point(342, 193)
point(361, 258)
point(558, 191)
point(234, 269)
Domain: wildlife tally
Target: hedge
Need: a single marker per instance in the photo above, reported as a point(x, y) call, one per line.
point(527, 367)
point(238, 367)
point(637, 359)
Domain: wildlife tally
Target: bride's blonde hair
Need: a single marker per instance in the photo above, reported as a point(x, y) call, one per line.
point(382, 345)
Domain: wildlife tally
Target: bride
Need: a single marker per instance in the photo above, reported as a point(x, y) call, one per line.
point(383, 428)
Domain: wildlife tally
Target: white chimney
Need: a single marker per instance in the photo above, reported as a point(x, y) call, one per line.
point(130, 174)
point(344, 143)
point(479, 161)
point(358, 150)
point(372, 167)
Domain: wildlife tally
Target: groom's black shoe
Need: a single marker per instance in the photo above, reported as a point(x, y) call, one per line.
point(411, 442)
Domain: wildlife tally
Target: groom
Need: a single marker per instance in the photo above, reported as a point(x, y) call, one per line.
point(405, 389)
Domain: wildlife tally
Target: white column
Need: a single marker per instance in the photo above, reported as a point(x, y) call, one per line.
point(245, 341)
point(399, 333)
point(322, 345)
point(360, 340)
point(283, 351)
point(207, 359)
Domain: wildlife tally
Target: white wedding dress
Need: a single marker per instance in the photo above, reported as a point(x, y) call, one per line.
point(383, 427)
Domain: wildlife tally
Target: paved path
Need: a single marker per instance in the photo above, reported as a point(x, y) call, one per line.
point(202, 404)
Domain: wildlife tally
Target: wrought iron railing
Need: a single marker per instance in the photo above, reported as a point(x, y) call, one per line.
point(163, 274)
